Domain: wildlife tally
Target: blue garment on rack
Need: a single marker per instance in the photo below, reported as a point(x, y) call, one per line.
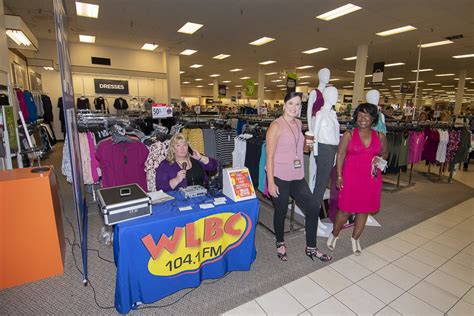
point(240, 125)
point(262, 174)
point(31, 106)
point(380, 127)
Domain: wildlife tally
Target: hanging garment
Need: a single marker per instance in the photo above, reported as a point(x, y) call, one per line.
point(453, 145)
point(225, 145)
point(47, 109)
point(148, 104)
point(31, 106)
point(252, 159)
point(99, 104)
point(381, 127)
point(262, 173)
point(416, 141)
point(431, 145)
point(4, 99)
point(122, 163)
point(61, 115)
point(240, 148)
point(120, 104)
point(157, 153)
point(21, 101)
point(95, 170)
point(318, 101)
point(209, 143)
point(442, 146)
point(38, 102)
point(195, 138)
point(66, 162)
point(403, 157)
point(83, 103)
point(85, 159)
point(135, 105)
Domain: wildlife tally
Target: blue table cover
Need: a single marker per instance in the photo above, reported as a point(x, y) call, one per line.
point(171, 250)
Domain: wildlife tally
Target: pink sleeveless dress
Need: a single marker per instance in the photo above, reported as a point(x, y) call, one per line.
point(361, 192)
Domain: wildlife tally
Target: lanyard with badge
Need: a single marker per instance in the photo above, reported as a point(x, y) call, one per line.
point(297, 161)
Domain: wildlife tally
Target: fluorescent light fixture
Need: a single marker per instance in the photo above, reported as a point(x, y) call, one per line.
point(18, 37)
point(334, 79)
point(383, 89)
point(444, 75)
point(262, 41)
point(448, 86)
point(226, 81)
point(397, 86)
point(277, 80)
point(270, 73)
point(348, 87)
point(198, 79)
point(244, 78)
point(48, 68)
point(394, 64)
point(315, 50)
point(190, 28)
point(238, 86)
point(427, 89)
point(221, 56)
point(446, 42)
point(350, 58)
point(186, 82)
point(267, 90)
point(199, 86)
point(367, 88)
point(398, 30)
point(215, 75)
point(303, 77)
point(210, 84)
point(464, 56)
point(235, 70)
point(188, 52)
point(304, 67)
point(283, 89)
point(268, 62)
point(367, 76)
point(87, 10)
point(281, 85)
point(256, 83)
point(195, 66)
point(181, 72)
point(397, 78)
point(148, 46)
point(338, 12)
point(433, 84)
point(468, 78)
point(414, 81)
point(351, 71)
point(87, 38)
point(422, 70)
point(304, 83)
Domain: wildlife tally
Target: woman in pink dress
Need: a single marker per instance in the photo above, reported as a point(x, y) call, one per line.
point(359, 184)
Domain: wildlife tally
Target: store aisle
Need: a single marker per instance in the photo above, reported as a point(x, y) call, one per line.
point(427, 269)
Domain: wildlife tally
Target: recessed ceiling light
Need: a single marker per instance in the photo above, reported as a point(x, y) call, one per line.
point(303, 77)
point(394, 64)
point(268, 62)
point(464, 56)
point(48, 68)
point(215, 75)
point(281, 85)
point(188, 52)
point(368, 76)
point(221, 56)
point(190, 28)
point(270, 73)
point(181, 72)
point(422, 70)
point(267, 90)
point(315, 50)
point(238, 86)
point(87, 10)
point(243, 78)
point(195, 66)
point(414, 81)
point(87, 38)
point(448, 86)
point(350, 58)
point(348, 86)
point(226, 81)
point(397, 30)
point(186, 82)
point(446, 42)
point(444, 75)
point(199, 86)
point(338, 12)
point(262, 41)
point(304, 67)
point(351, 71)
point(334, 79)
point(468, 78)
point(235, 70)
point(148, 46)
point(283, 89)
point(277, 80)
point(427, 89)
point(210, 84)
point(198, 79)
point(433, 84)
point(393, 79)
point(398, 86)
point(303, 83)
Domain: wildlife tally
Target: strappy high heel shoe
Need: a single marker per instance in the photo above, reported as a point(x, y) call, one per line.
point(331, 242)
point(314, 252)
point(356, 248)
point(281, 251)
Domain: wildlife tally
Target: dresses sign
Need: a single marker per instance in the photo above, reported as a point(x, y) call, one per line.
point(111, 86)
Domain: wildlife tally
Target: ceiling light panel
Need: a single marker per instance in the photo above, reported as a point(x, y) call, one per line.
point(221, 56)
point(464, 56)
point(148, 46)
point(238, 86)
point(468, 78)
point(444, 75)
point(394, 64)
point(304, 67)
point(270, 73)
point(314, 50)
point(433, 44)
point(195, 66)
point(393, 79)
point(190, 28)
point(48, 68)
point(87, 10)
point(18, 37)
point(182, 72)
point(262, 41)
point(226, 81)
point(268, 62)
point(350, 58)
point(433, 84)
point(347, 87)
point(338, 12)
point(414, 81)
point(186, 82)
point(398, 30)
point(422, 70)
point(303, 77)
point(334, 79)
point(198, 79)
point(188, 52)
point(235, 70)
point(351, 71)
point(243, 78)
point(214, 75)
point(87, 38)
point(304, 83)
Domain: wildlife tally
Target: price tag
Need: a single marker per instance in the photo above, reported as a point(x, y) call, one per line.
point(161, 110)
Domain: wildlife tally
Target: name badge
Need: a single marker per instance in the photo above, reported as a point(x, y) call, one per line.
point(297, 163)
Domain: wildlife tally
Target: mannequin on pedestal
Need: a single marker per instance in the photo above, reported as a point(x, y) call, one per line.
point(373, 97)
point(326, 140)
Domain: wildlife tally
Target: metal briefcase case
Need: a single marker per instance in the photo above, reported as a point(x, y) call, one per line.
point(123, 203)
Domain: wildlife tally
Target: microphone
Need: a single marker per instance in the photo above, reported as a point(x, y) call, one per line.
point(185, 164)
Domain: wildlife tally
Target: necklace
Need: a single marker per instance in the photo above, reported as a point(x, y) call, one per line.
point(294, 137)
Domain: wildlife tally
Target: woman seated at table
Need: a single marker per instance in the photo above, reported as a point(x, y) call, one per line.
point(181, 168)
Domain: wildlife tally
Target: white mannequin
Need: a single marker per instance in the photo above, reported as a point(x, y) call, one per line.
point(326, 121)
point(323, 75)
point(373, 97)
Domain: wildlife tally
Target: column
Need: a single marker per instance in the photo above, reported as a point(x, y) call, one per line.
point(3, 48)
point(359, 76)
point(173, 77)
point(261, 84)
point(215, 90)
point(460, 91)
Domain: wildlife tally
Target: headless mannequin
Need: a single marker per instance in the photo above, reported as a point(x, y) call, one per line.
point(373, 97)
point(326, 136)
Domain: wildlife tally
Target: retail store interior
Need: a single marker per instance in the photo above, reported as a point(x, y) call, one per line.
point(92, 91)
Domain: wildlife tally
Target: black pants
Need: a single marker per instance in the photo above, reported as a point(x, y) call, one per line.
point(299, 190)
point(324, 164)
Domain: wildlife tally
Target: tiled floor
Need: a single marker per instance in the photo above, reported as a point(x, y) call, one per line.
point(425, 270)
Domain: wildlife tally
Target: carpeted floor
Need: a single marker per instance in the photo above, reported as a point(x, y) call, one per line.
point(65, 294)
